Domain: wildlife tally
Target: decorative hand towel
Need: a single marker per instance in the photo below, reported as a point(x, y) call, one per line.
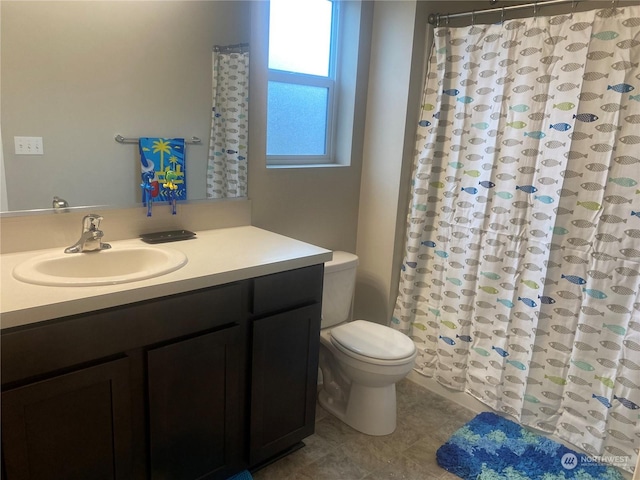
point(165, 159)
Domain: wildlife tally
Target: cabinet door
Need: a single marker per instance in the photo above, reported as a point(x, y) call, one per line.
point(74, 426)
point(196, 405)
point(284, 380)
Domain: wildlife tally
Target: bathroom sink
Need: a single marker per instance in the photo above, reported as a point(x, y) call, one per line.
point(105, 267)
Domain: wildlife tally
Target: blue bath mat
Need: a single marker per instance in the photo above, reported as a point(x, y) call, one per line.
point(490, 447)
point(244, 475)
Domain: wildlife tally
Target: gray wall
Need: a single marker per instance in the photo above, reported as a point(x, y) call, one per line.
point(360, 208)
point(314, 204)
point(332, 207)
point(388, 128)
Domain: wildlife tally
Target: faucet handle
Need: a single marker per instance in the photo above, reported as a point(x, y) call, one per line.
point(91, 222)
point(59, 204)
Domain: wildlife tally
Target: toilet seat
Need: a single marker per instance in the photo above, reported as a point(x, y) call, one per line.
point(373, 343)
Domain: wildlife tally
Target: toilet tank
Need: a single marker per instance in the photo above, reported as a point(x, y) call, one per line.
point(339, 285)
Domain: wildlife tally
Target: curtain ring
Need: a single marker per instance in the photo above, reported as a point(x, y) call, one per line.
point(535, 10)
point(437, 20)
point(614, 5)
point(473, 18)
point(448, 19)
point(502, 16)
point(574, 3)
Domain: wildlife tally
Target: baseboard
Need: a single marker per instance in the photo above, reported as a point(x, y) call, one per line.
point(461, 398)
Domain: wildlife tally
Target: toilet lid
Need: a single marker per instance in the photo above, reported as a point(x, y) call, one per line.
point(373, 340)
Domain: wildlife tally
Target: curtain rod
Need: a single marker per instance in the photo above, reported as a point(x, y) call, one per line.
point(435, 17)
point(239, 47)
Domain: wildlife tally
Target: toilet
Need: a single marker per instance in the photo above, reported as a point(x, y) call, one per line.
point(360, 361)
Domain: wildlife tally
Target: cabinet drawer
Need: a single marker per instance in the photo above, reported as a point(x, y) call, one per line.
point(70, 341)
point(286, 290)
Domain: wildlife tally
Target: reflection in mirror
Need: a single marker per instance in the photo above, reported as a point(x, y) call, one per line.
point(76, 73)
point(227, 167)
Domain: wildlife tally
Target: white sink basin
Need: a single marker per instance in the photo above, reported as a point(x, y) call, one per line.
point(105, 267)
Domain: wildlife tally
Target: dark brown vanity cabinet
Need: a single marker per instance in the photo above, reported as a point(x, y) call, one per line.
point(196, 407)
point(151, 390)
point(83, 417)
point(284, 362)
point(198, 385)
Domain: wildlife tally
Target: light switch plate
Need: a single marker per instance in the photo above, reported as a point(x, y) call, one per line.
point(28, 145)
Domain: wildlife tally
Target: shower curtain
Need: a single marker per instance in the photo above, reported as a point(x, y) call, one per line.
point(227, 161)
point(521, 278)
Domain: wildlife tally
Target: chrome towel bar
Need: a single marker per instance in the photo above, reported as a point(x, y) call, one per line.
point(121, 139)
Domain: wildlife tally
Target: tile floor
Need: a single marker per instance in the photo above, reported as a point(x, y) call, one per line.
point(338, 452)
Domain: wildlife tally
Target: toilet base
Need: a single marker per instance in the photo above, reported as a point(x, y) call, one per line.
point(370, 410)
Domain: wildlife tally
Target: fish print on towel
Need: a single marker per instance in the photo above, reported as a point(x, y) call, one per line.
point(521, 278)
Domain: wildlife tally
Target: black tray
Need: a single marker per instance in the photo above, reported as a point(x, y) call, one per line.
point(170, 236)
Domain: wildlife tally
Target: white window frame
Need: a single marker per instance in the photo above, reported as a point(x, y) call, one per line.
point(329, 82)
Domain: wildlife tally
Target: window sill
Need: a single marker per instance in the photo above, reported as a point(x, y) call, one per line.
point(304, 166)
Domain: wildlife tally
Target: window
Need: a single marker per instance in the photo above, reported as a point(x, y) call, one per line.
point(301, 81)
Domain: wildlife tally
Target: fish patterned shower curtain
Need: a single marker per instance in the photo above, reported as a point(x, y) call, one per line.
point(228, 144)
point(521, 278)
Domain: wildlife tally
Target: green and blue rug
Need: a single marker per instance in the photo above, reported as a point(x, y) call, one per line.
point(490, 447)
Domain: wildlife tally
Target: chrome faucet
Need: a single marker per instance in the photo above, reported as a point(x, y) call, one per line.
point(91, 238)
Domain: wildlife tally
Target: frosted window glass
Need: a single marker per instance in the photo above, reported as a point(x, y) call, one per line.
point(300, 36)
point(296, 119)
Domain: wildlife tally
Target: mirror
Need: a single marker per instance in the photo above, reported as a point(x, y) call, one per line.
point(78, 73)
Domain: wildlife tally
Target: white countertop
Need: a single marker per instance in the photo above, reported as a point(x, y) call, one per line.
point(215, 257)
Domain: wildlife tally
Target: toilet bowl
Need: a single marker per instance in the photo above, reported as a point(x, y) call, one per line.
point(360, 361)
